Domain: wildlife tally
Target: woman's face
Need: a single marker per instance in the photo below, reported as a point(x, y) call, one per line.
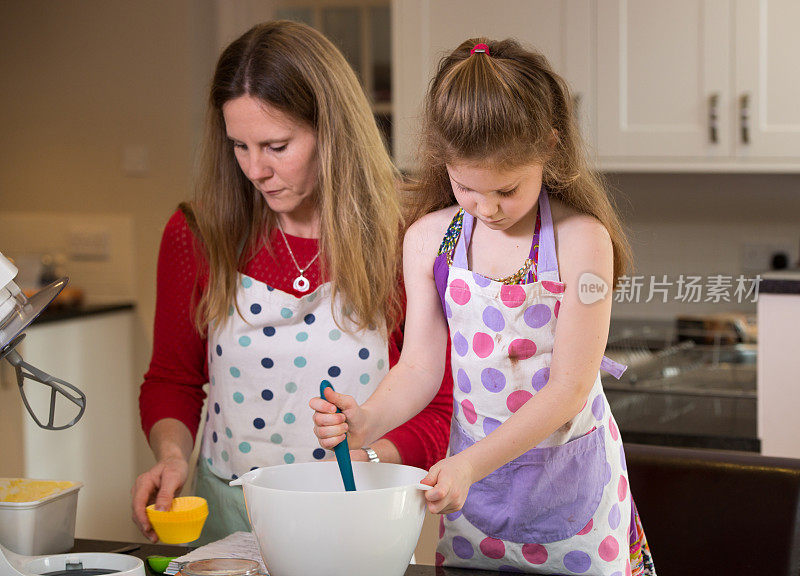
point(278, 155)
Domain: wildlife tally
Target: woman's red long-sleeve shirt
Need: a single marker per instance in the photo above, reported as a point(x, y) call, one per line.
point(173, 385)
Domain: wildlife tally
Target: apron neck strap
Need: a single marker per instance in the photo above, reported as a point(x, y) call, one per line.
point(547, 266)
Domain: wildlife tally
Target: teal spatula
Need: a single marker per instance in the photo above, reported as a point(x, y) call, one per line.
point(342, 451)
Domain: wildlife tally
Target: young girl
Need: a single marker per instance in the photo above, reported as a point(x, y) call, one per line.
point(536, 478)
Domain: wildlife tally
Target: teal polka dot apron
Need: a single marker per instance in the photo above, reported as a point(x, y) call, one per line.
point(265, 367)
point(563, 507)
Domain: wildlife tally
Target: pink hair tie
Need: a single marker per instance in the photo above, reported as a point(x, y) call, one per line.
point(482, 48)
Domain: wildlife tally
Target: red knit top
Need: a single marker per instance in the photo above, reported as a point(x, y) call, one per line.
point(173, 385)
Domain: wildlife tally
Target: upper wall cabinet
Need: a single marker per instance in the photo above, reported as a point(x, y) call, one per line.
point(698, 85)
point(425, 30)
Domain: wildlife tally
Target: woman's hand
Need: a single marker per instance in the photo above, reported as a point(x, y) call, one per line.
point(158, 485)
point(331, 427)
point(451, 479)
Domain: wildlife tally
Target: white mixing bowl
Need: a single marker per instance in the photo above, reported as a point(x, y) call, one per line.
point(307, 525)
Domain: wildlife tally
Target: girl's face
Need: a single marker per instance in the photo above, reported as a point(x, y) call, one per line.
point(277, 153)
point(500, 199)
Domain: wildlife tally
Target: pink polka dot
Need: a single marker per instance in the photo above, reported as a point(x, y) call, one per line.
point(441, 527)
point(521, 349)
point(612, 427)
point(534, 553)
point(459, 291)
point(628, 568)
point(483, 344)
point(512, 295)
point(493, 548)
point(587, 528)
point(553, 287)
point(556, 308)
point(622, 489)
point(439, 559)
point(516, 399)
point(469, 411)
point(608, 549)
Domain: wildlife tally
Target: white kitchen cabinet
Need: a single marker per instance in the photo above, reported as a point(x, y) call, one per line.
point(425, 30)
point(95, 353)
point(698, 85)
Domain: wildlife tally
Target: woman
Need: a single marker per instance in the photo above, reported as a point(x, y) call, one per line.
point(283, 272)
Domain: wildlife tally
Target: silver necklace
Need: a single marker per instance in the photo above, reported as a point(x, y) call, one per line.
point(301, 283)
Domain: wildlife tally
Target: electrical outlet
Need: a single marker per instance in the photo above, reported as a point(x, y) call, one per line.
point(758, 257)
point(89, 244)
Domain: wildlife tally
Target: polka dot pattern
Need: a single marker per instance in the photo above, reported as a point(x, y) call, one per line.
point(493, 319)
point(577, 561)
point(463, 381)
point(459, 292)
point(609, 549)
point(516, 399)
point(469, 411)
point(537, 315)
point(536, 554)
point(492, 548)
point(482, 344)
point(463, 548)
point(540, 378)
point(521, 349)
point(493, 379)
point(512, 295)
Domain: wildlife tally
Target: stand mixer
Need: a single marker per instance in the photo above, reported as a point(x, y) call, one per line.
point(16, 314)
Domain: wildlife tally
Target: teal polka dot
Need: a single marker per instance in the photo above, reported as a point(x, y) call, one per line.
point(210, 463)
point(364, 379)
point(302, 336)
point(312, 297)
point(230, 311)
point(247, 282)
point(225, 455)
point(291, 387)
point(288, 458)
point(212, 381)
point(289, 418)
point(334, 334)
point(380, 364)
point(244, 341)
point(228, 432)
point(235, 372)
point(300, 362)
point(244, 447)
point(238, 397)
point(286, 313)
point(275, 439)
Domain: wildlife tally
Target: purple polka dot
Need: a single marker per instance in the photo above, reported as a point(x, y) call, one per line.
point(622, 457)
point(463, 381)
point(493, 319)
point(540, 378)
point(453, 515)
point(537, 315)
point(493, 380)
point(447, 310)
point(577, 561)
point(598, 407)
point(606, 473)
point(617, 573)
point(460, 344)
point(490, 425)
point(614, 516)
point(462, 548)
point(455, 407)
point(481, 281)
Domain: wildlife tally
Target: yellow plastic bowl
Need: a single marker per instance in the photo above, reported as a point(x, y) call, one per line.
point(182, 523)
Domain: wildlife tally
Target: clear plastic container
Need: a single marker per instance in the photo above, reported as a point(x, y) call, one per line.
point(222, 567)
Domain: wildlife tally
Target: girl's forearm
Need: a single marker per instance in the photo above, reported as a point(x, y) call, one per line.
point(537, 419)
point(401, 395)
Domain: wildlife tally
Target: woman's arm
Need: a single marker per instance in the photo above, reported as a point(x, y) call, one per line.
point(171, 396)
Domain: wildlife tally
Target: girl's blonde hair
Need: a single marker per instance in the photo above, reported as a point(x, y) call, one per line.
point(295, 69)
point(506, 108)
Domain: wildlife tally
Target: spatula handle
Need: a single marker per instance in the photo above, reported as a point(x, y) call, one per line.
point(342, 450)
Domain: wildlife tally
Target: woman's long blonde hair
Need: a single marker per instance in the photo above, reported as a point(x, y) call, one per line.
point(295, 69)
point(502, 109)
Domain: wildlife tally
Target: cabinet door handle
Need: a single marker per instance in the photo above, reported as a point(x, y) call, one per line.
point(713, 117)
point(744, 117)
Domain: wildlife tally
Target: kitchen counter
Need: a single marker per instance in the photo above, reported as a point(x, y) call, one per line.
point(146, 550)
point(59, 313)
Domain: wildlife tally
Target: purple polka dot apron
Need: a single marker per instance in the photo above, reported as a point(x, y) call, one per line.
point(564, 506)
point(265, 367)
